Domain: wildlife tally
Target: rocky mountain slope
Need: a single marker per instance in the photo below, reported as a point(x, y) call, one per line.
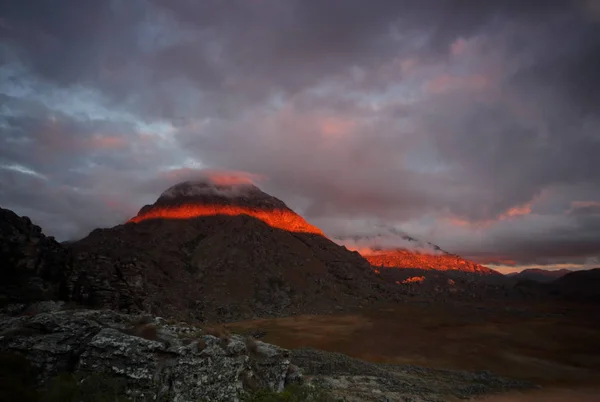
point(33, 267)
point(423, 269)
point(394, 249)
point(209, 251)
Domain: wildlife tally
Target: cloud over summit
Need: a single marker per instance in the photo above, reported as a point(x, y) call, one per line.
point(471, 124)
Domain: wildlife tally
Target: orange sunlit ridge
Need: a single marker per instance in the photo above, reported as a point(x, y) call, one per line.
point(410, 259)
point(277, 218)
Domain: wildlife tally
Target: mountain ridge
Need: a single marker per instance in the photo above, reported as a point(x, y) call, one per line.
point(538, 274)
point(396, 249)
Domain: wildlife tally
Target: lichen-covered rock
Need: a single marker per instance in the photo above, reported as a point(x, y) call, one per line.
point(170, 362)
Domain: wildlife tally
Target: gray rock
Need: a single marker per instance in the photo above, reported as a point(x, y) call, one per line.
point(359, 381)
point(171, 362)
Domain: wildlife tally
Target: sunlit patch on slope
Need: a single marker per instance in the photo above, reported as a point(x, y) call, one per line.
point(280, 219)
point(392, 248)
point(224, 193)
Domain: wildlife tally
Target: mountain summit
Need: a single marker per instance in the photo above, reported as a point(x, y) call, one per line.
point(210, 197)
point(213, 250)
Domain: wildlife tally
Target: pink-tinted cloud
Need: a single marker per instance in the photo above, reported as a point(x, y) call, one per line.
point(107, 142)
point(447, 82)
point(336, 126)
point(458, 47)
point(511, 213)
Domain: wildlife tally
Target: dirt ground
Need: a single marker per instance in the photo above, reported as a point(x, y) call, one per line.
point(554, 345)
point(549, 395)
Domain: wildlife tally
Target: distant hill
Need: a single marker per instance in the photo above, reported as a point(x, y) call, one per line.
point(539, 275)
point(394, 249)
point(578, 286)
point(424, 269)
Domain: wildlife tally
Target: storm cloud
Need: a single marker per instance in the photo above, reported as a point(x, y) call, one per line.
point(473, 125)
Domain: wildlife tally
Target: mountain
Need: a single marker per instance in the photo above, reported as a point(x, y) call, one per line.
point(394, 249)
point(423, 269)
point(539, 275)
point(207, 250)
point(578, 286)
point(192, 199)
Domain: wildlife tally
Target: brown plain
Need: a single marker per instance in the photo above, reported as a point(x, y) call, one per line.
point(554, 345)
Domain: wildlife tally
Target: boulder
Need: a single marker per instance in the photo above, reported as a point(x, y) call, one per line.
point(156, 360)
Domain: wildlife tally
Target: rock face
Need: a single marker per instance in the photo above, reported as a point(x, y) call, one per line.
point(235, 253)
point(32, 266)
point(157, 360)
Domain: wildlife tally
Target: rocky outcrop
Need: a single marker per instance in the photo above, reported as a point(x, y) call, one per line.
point(158, 361)
point(355, 380)
point(33, 267)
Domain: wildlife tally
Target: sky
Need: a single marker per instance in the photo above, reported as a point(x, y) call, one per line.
point(473, 125)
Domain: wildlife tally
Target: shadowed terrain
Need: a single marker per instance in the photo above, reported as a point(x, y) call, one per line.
point(547, 344)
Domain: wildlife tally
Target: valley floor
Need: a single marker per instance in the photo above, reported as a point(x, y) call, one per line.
point(556, 346)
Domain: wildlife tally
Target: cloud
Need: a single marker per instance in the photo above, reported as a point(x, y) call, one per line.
point(470, 124)
point(584, 208)
point(224, 183)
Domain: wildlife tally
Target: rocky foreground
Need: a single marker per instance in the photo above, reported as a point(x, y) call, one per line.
point(157, 360)
point(160, 360)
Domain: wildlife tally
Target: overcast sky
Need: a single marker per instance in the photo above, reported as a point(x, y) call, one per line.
point(471, 124)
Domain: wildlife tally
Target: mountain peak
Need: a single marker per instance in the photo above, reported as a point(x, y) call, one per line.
point(209, 191)
point(223, 196)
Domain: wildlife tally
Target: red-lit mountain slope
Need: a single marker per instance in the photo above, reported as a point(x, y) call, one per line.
point(394, 249)
point(212, 251)
point(206, 198)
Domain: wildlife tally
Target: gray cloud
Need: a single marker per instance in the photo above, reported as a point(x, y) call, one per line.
point(472, 124)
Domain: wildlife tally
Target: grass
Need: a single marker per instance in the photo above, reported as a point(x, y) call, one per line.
point(293, 393)
point(554, 345)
